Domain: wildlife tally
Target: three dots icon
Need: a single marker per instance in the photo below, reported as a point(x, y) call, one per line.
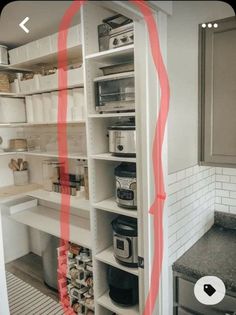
point(209, 25)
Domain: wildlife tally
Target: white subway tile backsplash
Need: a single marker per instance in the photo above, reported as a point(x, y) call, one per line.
point(222, 193)
point(222, 178)
point(229, 171)
point(194, 195)
point(227, 186)
point(229, 201)
point(191, 199)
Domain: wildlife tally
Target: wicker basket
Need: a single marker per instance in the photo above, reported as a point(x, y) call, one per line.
point(4, 83)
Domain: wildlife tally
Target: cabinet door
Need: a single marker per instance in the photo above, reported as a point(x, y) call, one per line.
point(218, 92)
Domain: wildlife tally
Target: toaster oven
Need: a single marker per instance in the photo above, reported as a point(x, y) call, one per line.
point(115, 93)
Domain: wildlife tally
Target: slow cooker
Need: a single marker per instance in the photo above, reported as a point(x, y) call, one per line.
point(122, 138)
point(126, 191)
point(123, 287)
point(125, 240)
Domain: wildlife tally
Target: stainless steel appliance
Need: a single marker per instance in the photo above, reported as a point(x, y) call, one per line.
point(125, 240)
point(122, 138)
point(123, 287)
point(115, 93)
point(126, 185)
point(116, 31)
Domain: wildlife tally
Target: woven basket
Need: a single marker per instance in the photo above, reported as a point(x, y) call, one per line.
point(4, 83)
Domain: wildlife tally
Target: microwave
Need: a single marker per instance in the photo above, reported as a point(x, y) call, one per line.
point(115, 93)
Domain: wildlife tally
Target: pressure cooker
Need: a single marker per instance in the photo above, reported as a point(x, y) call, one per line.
point(126, 191)
point(122, 139)
point(125, 240)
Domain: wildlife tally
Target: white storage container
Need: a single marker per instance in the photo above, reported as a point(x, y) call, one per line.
point(70, 104)
point(47, 104)
point(38, 108)
point(75, 76)
point(74, 36)
point(78, 111)
point(19, 54)
point(30, 86)
point(53, 111)
point(32, 50)
point(29, 109)
point(15, 87)
point(47, 82)
point(12, 110)
point(45, 47)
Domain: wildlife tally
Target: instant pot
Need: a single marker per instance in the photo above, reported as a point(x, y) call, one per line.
point(125, 240)
point(126, 185)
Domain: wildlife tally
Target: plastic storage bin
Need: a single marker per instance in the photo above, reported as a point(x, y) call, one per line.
point(29, 109)
point(75, 76)
point(30, 86)
point(47, 82)
point(12, 110)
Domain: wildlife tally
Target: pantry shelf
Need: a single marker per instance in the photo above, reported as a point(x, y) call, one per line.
point(48, 220)
point(110, 115)
point(16, 95)
point(106, 302)
point(74, 86)
point(50, 196)
point(73, 54)
point(107, 256)
point(72, 156)
point(29, 124)
point(116, 55)
point(110, 157)
point(110, 205)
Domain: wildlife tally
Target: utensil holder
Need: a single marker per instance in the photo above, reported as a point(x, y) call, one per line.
point(21, 178)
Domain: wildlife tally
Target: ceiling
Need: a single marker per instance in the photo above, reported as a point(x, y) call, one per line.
point(45, 17)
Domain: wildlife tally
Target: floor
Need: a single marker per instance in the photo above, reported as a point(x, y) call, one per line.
point(29, 269)
point(26, 300)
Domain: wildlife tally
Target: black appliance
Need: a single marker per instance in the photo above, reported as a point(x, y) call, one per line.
point(123, 287)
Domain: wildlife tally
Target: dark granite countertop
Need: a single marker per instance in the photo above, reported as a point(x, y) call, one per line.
point(213, 255)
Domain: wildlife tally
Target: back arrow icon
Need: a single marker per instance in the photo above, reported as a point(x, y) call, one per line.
point(22, 25)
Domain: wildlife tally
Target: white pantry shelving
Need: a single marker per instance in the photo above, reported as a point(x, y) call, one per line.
point(105, 301)
point(116, 55)
point(29, 124)
point(48, 220)
point(102, 207)
point(112, 115)
point(110, 205)
point(110, 157)
point(74, 54)
point(50, 196)
point(107, 256)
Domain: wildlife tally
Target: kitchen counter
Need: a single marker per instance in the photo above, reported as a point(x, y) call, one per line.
point(214, 254)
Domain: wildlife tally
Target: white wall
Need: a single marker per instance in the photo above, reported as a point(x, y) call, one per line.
point(183, 75)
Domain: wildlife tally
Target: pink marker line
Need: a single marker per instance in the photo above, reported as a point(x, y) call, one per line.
point(62, 137)
point(157, 207)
